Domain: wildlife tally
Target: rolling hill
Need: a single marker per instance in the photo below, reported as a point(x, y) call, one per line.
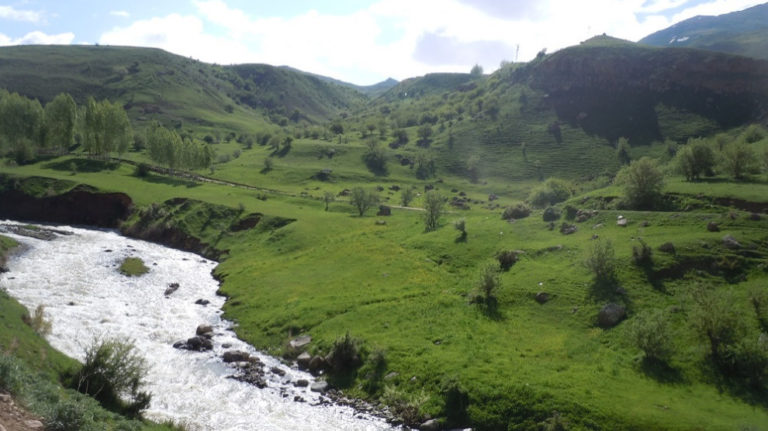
point(744, 32)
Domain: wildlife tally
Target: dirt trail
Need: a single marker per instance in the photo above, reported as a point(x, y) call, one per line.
point(15, 418)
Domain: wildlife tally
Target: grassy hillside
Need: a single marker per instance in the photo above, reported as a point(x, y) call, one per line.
point(744, 32)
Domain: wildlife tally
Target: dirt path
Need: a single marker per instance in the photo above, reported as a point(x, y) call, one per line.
point(15, 418)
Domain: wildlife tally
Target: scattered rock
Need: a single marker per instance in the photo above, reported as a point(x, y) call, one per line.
point(391, 375)
point(202, 302)
point(394, 187)
point(492, 197)
point(172, 287)
point(34, 424)
point(301, 383)
point(204, 330)
point(384, 211)
point(584, 215)
point(542, 297)
point(279, 371)
point(5, 398)
point(667, 247)
point(731, 243)
point(430, 425)
point(381, 222)
point(319, 386)
point(303, 360)
point(567, 229)
point(622, 222)
point(610, 315)
point(236, 356)
point(197, 344)
point(597, 226)
point(345, 192)
point(317, 364)
point(298, 399)
point(300, 342)
point(713, 227)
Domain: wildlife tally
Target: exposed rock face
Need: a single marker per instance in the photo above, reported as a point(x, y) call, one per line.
point(610, 315)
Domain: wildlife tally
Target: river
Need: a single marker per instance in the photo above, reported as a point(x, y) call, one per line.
point(76, 278)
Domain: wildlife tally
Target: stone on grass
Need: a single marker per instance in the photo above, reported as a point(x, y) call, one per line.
point(713, 227)
point(300, 342)
point(542, 297)
point(731, 243)
point(610, 315)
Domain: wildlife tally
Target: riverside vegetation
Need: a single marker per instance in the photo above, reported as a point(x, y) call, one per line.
point(608, 272)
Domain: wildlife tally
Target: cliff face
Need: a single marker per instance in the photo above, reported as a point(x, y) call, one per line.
point(77, 206)
point(610, 90)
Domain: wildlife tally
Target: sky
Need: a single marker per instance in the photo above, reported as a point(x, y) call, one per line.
point(362, 42)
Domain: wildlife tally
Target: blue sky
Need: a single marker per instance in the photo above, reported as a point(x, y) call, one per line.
point(357, 41)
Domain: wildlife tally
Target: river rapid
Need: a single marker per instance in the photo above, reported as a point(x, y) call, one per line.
point(75, 276)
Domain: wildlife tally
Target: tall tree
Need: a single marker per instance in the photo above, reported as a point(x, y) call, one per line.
point(60, 122)
point(107, 128)
point(21, 122)
point(433, 209)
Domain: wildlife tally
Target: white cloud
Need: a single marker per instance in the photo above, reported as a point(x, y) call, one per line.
point(717, 7)
point(120, 13)
point(9, 12)
point(38, 38)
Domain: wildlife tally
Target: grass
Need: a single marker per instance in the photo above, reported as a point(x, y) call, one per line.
point(133, 267)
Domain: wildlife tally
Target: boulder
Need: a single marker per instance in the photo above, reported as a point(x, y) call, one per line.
point(172, 287)
point(610, 315)
point(279, 371)
point(542, 297)
point(567, 229)
point(622, 222)
point(236, 356)
point(300, 342)
point(301, 383)
point(199, 344)
point(319, 386)
point(713, 227)
point(730, 242)
point(317, 364)
point(202, 302)
point(303, 360)
point(203, 330)
point(384, 211)
point(667, 247)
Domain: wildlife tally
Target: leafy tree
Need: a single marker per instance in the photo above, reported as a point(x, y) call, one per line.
point(60, 122)
point(363, 199)
point(424, 133)
point(407, 195)
point(107, 128)
point(433, 209)
point(739, 159)
point(337, 128)
point(21, 126)
point(375, 159)
point(622, 151)
point(401, 137)
point(425, 166)
point(601, 261)
point(476, 71)
point(643, 183)
point(650, 333)
point(753, 133)
point(553, 191)
point(488, 284)
point(695, 159)
point(164, 146)
point(328, 197)
point(716, 318)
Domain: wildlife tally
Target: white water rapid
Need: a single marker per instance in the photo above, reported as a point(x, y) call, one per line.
point(76, 278)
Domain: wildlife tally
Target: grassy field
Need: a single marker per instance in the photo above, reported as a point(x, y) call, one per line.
point(407, 292)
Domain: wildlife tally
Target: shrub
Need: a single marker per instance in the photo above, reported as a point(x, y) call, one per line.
point(488, 284)
point(749, 359)
point(460, 225)
point(739, 160)
point(516, 211)
point(553, 191)
point(550, 214)
point(506, 259)
point(345, 354)
point(407, 195)
point(642, 255)
point(69, 415)
point(269, 164)
point(642, 182)
point(406, 407)
point(601, 261)
point(362, 199)
point(142, 170)
point(716, 319)
point(113, 373)
point(695, 159)
point(753, 133)
point(650, 333)
point(433, 209)
point(38, 322)
point(456, 401)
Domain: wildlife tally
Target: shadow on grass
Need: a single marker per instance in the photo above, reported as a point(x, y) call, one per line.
point(170, 181)
point(461, 238)
point(342, 380)
point(82, 165)
point(661, 371)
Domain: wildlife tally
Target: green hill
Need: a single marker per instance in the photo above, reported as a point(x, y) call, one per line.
point(744, 32)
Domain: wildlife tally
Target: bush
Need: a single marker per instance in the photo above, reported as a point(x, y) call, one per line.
point(642, 255)
point(407, 195)
point(433, 209)
point(113, 373)
point(753, 133)
point(456, 401)
point(551, 214)
point(516, 211)
point(649, 332)
point(601, 261)
point(553, 191)
point(739, 160)
point(69, 415)
point(487, 285)
point(142, 170)
point(715, 317)
point(642, 182)
point(38, 322)
point(363, 199)
point(695, 159)
point(345, 354)
point(506, 259)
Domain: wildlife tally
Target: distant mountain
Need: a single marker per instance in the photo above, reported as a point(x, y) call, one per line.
point(373, 90)
point(744, 33)
point(154, 84)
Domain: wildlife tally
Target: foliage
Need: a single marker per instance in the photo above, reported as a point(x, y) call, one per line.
point(142, 170)
point(714, 316)
point(375, 158)
point(425, 166)
point(650, 332)
point(695, 159)
point(114, 373)
point(601, 261)
point(373, 370)
point(473, 168)
point(406, 195)
point(753, 133)
point(553, 191)
point(550, 214)
point(60, 121)
point(168, 148)
point(643, 183)
point(433, 209)
point(345, 354)
point(328, 197)
point(506, 259)
point(38, 322)
point(363, 199)
point(455, 401)
point(642, 255)
point(622, 151)
point(106, 128)
point(739, 159)
point(424, 133)
point(488, 285)
point(21, 126)
point(516, 211)
point(133, 267)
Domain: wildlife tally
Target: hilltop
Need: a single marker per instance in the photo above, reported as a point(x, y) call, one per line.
point(744, 32)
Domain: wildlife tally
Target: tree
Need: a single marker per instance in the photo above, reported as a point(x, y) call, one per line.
point(716, 318)
point(433, 209)
point(374, 158)
point(328, 197)
point(650, 332)
point(424, 133)
point(601, 261)
point(363, 199)
point(476, 71)
point(643, 183)
point(622, 151)
point(401, 138)
point(407, 195)
point(107, 128)
point(60, 121)
point(695, 159)
point(425, 166)
point(21, 126)
point(739, 159)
